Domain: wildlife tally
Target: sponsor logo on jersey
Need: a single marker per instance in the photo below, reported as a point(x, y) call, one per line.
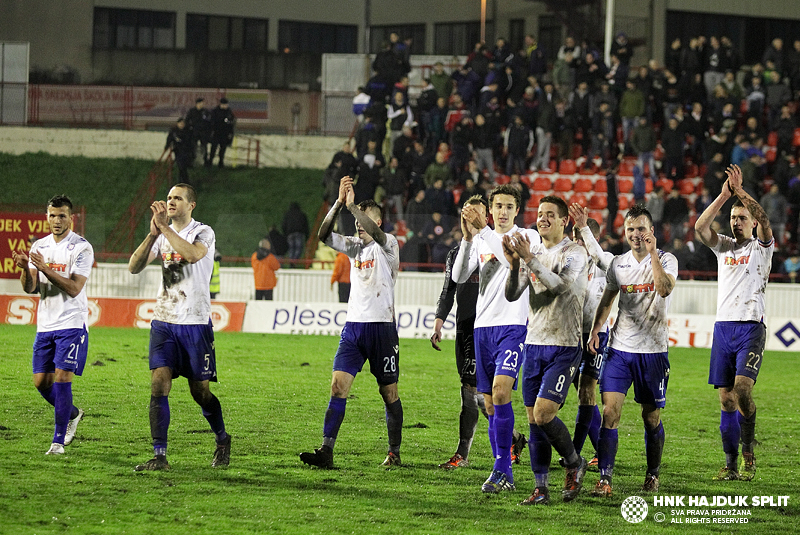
point(366, 264)
point(57, 267)
point(638, 288)
point(731, 261)
point(171, 257)
point(485, 258)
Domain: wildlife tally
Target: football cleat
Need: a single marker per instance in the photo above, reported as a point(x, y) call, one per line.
point(497, 483)
point(727, 474)
point(540, 496)
point(55, 449)
point(321, 457)
point(456, 461)
point(516, 448)
point(747, 468)
point(159, 462)
point(602, 489)
point(72, 426)
point(594, 465)
point(574, 481)
point(392, 459)
point(222, 455)
point(650, 483)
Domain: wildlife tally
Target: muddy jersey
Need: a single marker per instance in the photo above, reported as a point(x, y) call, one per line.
point(556, 315)
point(485, 252)
point(57, 310)
point(183, 296)
point(641, 325)
point(599, 260)
point(373, 273)
point(743, 275)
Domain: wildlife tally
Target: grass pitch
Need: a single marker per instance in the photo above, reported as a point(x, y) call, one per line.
point(274, 391)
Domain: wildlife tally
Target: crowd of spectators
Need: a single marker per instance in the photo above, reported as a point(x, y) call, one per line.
point(505, 115)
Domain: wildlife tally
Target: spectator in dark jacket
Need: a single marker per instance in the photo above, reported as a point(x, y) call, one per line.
point(643, 142)
point(295, 228)
point(672, 139)
point(222, 123)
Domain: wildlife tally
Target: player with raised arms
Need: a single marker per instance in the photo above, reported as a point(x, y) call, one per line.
point(644, 278)
point(499, 324)
point(553, 274)
point(370, 333)
point(586, 231)
point(181, 332)
point(744, 264)
point(57, 267)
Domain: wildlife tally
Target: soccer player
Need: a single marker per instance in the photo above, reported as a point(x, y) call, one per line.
point(586, 231)
point(181, 333)
point(553, 273)
point(499, 324)
point(739, 332)
point(370, 333)
point(644, 278)
point(57, 267)
point(472, 403)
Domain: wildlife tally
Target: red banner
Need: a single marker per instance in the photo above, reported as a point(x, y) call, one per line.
point(110, 312)
point(15, 231)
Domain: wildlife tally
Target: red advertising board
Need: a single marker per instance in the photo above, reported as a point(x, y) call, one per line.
point(15, 231)
point(111, 312)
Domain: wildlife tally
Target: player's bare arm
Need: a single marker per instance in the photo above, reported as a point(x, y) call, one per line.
point(664, 282)
point(764, 231)
point(436, 337)
point(191, 252)
point(515, 283)
point(72, 286)
point(600, 317)
point(702, 227)
point(29, 277)
point(142, 255)
point(369, 225)
point(326, 228)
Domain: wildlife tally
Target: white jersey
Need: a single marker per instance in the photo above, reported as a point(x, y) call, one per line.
point(373, 272)
point(486, 252)
point(641, 325)
point(183, 296)
point(743, 275)
point(599, 260)
point(556, 310)
point(57, 310)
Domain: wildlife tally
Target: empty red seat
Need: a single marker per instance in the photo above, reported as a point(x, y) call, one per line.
point(529, 217)
point(502, 179)
point(626, 168)
point(579, 198)
point(598, 202)
point(533, 202)
point(772, 139)
point(665, 183)
point(623, 203)
point(582, 185)
point(525, 179)
point(562, 184)
point(624, 186)
point(686, 187)
point(691, 170)
point(600, 186)
point(648, 185)
point(541, 184)
point(619, 222)
point(567, 167)
point(796, 140)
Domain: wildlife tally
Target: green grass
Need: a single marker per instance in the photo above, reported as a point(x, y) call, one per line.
point(274, 404)
point(240, 204)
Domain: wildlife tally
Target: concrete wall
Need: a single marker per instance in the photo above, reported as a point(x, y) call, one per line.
point(312, 152)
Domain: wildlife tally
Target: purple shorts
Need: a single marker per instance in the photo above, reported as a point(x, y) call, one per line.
point(65, 349)
point(374, 342)
point(498, 351)
point(548, 372)
point(591, 363)
point(648, 372)
point(187, 349)
point(737, 349)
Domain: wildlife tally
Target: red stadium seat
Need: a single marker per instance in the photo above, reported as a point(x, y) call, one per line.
point(567, 167)
point(691, 170)
point(659, 152)
point(796, 140)
point(533, 202)
point(590, 171)
point(529, 217)
point(648, 185)
point(772, 139)
point(619, 222)
point(525, 179)
point(772, 154)
point(502, 179)
point(542, 184)
point(457, 194)
point(579, 198)
point(600, 186)
point(665, 183)
point(597, 215)
point(582, 185)
point(577, 151)
point(562, 184)
point(598, 202)
point(623, 202)
point(686, 187)
point(626, 168)
point(624, 186)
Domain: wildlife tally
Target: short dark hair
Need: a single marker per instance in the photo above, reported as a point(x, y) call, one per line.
point(563, 210)
point(477, 199)
point(594, 226)
point(506, 189)
point(191, 194)
point(369, 204)
point(638, 210)
point(57, 201)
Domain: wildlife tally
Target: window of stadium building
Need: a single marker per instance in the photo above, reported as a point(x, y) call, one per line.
point(459, 37)
point(133, 28)
point(206, 32)
point(295, 36)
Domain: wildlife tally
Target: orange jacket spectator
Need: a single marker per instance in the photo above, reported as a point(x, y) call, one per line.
point(264, 264)
point(341, 274)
